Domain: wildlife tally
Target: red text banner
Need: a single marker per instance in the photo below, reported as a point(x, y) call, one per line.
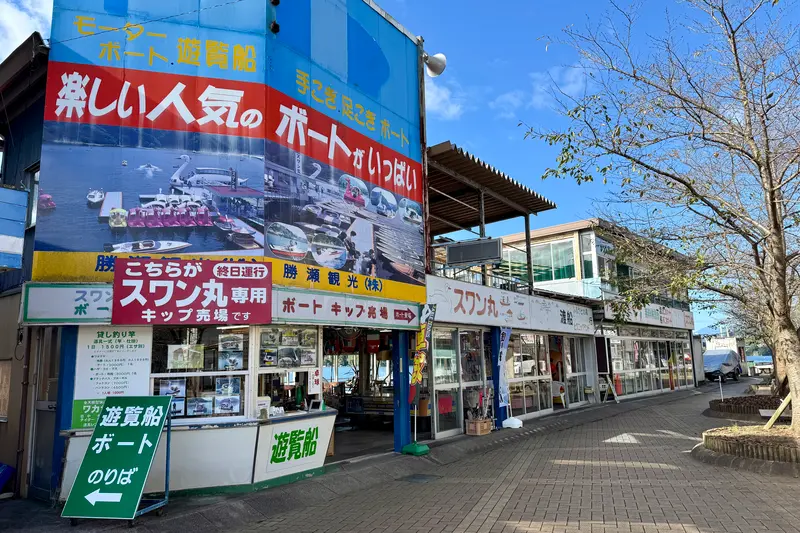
point(191, 292)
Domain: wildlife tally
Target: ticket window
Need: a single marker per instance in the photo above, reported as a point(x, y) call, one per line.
point(279, 390)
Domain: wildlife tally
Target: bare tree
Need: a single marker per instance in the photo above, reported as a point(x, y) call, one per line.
point(699, 128)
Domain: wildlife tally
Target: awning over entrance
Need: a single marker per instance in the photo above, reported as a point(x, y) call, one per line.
point(462, 186)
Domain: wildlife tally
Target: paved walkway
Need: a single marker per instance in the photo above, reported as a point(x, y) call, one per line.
point(613, 468)
point(629, 473)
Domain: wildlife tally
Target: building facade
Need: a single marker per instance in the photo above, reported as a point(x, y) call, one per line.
point(648, 352)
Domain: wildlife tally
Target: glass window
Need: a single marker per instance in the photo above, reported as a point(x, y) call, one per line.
point(531, 396)
point(545, 395)
point(32, 186)
point(487, 354)
point(630, 353)
point(204, 369)
point(563, 260)
point(616, 355)
point(471, 355)
point(474, 402)
point(542, 261)
point(287, 348)
point(445, 359)
point(528, 352)
point(447, 407)
point(576, 356)
point(517, 393)
point(586, 255)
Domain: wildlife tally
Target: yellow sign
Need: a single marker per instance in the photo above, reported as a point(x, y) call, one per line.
point(87, 267)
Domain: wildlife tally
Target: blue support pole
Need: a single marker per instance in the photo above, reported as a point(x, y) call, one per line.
point(400, 378)
point(499, 414)
point(66, 392)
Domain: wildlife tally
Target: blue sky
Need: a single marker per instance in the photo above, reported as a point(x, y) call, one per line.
point(499, 73)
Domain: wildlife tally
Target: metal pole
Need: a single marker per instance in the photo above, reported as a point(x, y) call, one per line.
point(423, 140)
point(484, 277)
point(169, 447)
point(720, 389)
point(528, 252)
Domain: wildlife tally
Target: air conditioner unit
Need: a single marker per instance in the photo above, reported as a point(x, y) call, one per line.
point(480, 252)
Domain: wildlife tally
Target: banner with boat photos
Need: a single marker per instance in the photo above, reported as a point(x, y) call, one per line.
point(208, 136)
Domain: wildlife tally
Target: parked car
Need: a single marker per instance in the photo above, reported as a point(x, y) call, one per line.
point(722, 364)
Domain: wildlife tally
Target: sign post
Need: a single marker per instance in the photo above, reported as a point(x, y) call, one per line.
point(116, 464)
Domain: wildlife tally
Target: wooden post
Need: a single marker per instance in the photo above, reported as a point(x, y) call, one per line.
point(784, 404)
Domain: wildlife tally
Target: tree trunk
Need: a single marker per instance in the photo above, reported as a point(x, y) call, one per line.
point(787, 353)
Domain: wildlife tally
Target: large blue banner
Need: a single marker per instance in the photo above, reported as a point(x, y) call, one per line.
point(192, 127)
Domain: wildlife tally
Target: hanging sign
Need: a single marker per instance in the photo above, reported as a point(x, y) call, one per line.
point(503, 393)
point(191, 292)
point(114, 468)
point(422, 350)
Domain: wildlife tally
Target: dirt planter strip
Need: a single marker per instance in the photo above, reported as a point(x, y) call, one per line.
point(754, 442)
point(745, 405)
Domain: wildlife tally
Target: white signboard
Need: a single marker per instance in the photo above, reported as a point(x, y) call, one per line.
point(295, 447)
point(657, 315)
point(292, 307)
point(67, 303)
point(465, 303)
point(113, 361)
point(555, 315)
point(314, 382)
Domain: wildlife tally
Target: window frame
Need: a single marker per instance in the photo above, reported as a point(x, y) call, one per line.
point(31, 184)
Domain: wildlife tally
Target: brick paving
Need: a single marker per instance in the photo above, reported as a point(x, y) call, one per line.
point(573, 481)
point(557, 474)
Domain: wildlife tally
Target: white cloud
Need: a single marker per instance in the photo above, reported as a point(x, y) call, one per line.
point(446, 102)
point(569, 80)
point(507, 104)
point(19, 19)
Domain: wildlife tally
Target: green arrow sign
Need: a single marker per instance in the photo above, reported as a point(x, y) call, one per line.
point(115, 466)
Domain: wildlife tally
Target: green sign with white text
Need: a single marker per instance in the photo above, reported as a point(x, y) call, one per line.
point(86, 412)
point(114, 469)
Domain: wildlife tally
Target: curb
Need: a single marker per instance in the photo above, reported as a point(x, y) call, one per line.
point(711, 413)
point(757, 466)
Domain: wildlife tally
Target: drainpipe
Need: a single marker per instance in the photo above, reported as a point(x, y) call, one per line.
point(23, 413)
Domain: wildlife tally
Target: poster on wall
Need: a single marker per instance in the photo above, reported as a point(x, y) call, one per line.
point(200, 406)
point(172, 387)
point(230, 360)
point(185, 356)
point(110, 361)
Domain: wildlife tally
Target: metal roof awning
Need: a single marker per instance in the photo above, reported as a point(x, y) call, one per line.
point(455, 181)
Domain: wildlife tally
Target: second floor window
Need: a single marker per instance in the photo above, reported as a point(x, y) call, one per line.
point(553, 261)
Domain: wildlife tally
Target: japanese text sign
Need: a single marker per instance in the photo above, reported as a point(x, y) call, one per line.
point(114, 469)
point(191, 292)
point(314, 307)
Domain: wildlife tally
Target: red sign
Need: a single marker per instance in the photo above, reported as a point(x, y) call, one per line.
point(144, 99)
point(191, 292)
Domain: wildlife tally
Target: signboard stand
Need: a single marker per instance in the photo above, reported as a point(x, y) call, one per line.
point(142, 506)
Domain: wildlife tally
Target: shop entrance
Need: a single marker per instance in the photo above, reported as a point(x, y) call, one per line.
point(568, 367)
point(462, 373)
point(357, 381)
